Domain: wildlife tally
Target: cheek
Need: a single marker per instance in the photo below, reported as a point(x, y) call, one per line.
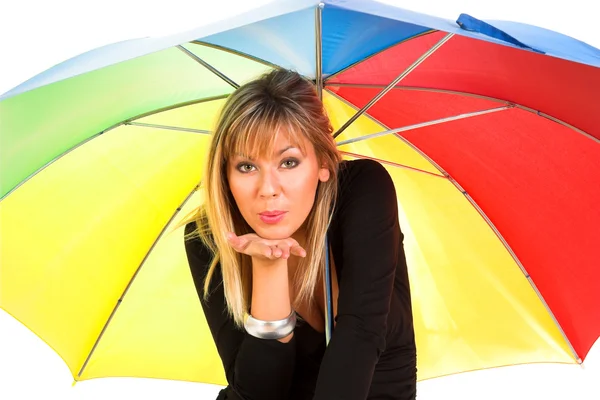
point(240, 193)
point(304, 190)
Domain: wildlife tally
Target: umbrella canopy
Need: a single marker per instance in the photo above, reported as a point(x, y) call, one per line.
point(491, 133)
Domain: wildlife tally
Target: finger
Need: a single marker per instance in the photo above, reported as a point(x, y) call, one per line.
point(237, 242)
point(230, 236)
point(260, 249)
point(232, 239)
point(290, 242)
point(276, 252)
point(285, 250)
point(298, 251)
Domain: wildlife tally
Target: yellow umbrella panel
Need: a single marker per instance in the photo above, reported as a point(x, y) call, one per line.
point(108, 285)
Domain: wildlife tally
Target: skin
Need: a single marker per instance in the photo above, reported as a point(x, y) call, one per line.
point(284, 180)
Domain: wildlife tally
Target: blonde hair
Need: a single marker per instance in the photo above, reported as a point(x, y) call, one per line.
point(249, 121)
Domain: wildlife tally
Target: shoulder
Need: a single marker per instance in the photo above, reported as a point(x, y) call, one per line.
point(365, 191)
point(364, 174)
point(190, 228)
point(198, 253)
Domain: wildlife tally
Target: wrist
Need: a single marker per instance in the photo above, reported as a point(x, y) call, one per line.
point(270, 291)
point(262, 263)
point(270, 274)
point(275, 329)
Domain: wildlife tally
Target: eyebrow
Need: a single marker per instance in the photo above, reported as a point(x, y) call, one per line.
point(279, 153)
point(285, 149)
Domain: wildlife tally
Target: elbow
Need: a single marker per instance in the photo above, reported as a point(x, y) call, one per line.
point(368, 332)
point(252, 391)
point(263, 369)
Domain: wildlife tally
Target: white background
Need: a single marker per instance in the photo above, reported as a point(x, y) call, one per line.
point(37, 34)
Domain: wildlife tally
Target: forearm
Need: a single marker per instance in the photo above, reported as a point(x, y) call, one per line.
point(255, 368)
point(270, 291)
point(357, 365)
point(264, 368)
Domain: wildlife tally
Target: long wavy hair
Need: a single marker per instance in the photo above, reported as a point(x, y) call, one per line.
point(280, 100)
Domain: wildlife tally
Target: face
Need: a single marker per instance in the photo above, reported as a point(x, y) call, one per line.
point(275, 193)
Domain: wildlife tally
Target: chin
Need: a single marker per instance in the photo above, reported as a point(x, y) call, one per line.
point(275, 232)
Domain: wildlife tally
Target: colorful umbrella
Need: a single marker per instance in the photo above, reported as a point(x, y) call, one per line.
point(491, 133)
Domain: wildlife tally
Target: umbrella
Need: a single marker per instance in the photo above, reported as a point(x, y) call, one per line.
point(489, 130)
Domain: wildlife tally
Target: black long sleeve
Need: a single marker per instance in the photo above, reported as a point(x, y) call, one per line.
point(372, 352)
point(367, 239)
point(256, 369)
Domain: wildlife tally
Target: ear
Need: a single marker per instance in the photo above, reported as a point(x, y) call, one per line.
point(324, 174)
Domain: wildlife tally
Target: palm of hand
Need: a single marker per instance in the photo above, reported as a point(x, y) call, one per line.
point(271, 249)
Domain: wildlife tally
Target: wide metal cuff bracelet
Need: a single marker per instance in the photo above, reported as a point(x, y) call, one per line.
point(270, 329)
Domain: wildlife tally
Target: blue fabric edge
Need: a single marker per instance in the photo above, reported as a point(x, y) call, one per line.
point(122, 51)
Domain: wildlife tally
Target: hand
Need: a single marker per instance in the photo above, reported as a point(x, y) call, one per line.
point(257, 247)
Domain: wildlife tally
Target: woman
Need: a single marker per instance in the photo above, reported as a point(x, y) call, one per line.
point(276, 191)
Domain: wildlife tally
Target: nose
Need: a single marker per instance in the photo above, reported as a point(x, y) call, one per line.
point(269, 184)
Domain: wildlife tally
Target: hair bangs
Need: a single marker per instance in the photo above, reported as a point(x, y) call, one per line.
point(255, 135)
point(254, 116)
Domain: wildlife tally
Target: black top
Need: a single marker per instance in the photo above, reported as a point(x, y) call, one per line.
point(372, 352)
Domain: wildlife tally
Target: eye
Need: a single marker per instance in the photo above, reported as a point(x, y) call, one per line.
point(245, 168)
point(290, 163)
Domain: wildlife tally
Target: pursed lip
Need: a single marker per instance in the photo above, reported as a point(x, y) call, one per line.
point(273, 213)
point(272, 217)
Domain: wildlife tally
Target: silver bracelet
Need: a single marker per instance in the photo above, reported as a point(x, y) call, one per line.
point(270, 329)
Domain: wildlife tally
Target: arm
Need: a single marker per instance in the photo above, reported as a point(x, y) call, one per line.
point(371, 242)
point(254, 368)
point(270, 291)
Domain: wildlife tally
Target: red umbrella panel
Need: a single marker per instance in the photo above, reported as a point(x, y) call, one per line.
point(471, 108)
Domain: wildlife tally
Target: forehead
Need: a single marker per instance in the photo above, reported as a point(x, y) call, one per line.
point(267, 143)
point(285, 139)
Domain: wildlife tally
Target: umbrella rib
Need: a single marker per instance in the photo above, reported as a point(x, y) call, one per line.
point(120, 300)
point(389, 87)
point(500, 237)
point(208, 66)
point(478, 96)
point(343, 100)
point(391, 163)
point(486, 219)
point(54, 160)
point(319, 88)
point(377, 53)
point(409, 144)
point(424, 124)
point(125, 122)
point(318, 49)
point(235, 52)
point(168, 127)
point(558, 121)
point(517, 261)
point(178, 105)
